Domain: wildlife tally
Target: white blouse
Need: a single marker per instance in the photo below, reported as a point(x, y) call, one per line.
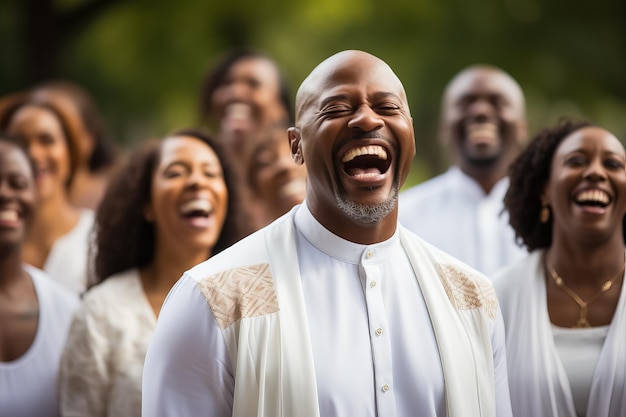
point(102, 363)
point(67, 261)
point(579, 350)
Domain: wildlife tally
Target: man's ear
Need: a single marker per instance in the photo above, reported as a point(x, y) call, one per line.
point(296, 145)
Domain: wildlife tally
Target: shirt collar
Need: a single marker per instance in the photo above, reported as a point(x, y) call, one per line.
point(336, 247)
point(469, 184)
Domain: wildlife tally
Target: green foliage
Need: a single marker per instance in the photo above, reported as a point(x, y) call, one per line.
point(144, 60)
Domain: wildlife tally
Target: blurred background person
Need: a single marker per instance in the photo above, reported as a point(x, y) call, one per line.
point(170, 207)
point(564, 305)
point(275, 181)
point(483, 122)
point(59, 239)
point(97, 154)
point(245, 99)
point(35, 312)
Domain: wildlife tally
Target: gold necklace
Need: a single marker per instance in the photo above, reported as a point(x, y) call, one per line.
point(582, 315)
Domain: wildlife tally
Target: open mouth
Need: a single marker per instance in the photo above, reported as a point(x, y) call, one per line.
point(593, 198)
point(238, 111)
point(366, 161)
point(293, 188)
point(9, 217)
point(197, 212)
point(478, 133)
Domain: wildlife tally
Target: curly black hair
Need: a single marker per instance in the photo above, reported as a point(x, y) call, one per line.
point(123, 238)
point(528, 176)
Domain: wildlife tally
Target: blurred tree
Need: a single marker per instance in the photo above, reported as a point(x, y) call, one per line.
point(144, 59)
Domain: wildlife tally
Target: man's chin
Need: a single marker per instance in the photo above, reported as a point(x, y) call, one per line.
point(482, 161)
point(367, 213)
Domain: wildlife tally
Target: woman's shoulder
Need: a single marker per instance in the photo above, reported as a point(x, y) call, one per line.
point(114, 289)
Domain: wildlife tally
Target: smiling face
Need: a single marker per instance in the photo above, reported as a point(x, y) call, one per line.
point(355, 134)
point(247, 100)
point(189, 196)
point(483, 117)
point(17, 196)
point(587, 186)
point(41, 132)
point(274, 177)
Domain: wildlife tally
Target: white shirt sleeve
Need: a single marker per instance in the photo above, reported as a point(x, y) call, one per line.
point(187, 370)
point(84, 375)
point(501, 379)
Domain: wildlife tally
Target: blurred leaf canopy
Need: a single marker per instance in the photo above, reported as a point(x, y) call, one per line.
point(144, 60)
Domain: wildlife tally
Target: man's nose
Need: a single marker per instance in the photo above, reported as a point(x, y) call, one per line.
point(481, 109)
point(365, 119)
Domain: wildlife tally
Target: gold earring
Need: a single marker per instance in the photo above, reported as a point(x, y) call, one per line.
point(544, 215)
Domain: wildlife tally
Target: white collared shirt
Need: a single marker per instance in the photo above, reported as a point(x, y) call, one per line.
point(452, 212)
point(373, 345)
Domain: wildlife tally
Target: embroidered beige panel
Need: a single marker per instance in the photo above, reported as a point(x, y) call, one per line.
point(240, 293)
point(467, 291)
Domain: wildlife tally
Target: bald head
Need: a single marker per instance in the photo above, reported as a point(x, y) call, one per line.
point(483, 119)
point(355, 133)
point(498, 80)
point(343, 67)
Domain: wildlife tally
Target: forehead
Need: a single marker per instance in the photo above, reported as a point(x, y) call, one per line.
point(30, 111)
point(13, 158)
point(591, 139)
point(483, 81)
point(256, 67)
point(186, 148)
point(367, 76)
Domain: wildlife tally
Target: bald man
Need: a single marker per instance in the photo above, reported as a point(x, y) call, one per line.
point(333, 309)
point(483, 122)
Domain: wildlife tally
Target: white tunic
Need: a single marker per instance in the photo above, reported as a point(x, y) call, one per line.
point(67, 261)
point(452, 212)
point(28, 385)
point(539, 382)
point(373, 346)
point(102, 364)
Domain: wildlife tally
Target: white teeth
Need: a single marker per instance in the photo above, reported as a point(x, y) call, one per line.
point(593, 196)
point(198, 204)
point(8, 215)
point(293, 187)
point(482, 130)
point(238, 111)
point(375, 150)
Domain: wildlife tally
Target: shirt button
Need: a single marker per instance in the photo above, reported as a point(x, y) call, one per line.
point(369, 254)
point(372, 284)
point(379, 331)
point(385, 387)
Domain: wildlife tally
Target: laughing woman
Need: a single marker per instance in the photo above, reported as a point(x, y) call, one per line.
point(59, 238)
point(169, 208)
point(35, 312)
point(565, 305)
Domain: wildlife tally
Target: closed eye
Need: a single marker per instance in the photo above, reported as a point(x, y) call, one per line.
point(336, 110)
point(612, 163)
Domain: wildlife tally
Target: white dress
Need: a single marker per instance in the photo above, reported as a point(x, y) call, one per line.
point(452, 212)
point(539, 381)
point(28, 385)
point(103, 360)
point(67, 260)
